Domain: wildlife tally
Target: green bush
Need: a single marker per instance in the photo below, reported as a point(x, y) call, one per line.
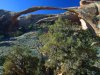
point(69, 48)
point(20, 61)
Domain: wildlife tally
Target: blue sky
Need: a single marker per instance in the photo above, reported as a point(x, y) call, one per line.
point(19, 5)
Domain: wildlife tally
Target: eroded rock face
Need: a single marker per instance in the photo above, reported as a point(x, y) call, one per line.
point(85, 2)
point(5, 20)
point(24, 21)
point(7, 13)
point(91, 14)
point(27, 40)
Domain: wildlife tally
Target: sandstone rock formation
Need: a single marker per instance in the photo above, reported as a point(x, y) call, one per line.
point(7, 22)
point(11, 20)
point(5, 17)
point(25, 21)
point(88, 11)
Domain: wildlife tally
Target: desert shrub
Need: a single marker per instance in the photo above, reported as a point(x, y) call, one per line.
point(69, 48)
point(2, 60)
point(20, 61)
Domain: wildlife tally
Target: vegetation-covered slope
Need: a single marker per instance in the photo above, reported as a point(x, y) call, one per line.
point(64, 49)
point(70, 49)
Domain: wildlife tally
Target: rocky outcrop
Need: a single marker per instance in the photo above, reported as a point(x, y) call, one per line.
point(88, 11)
point(5, 20)
point(24, 21)
point(28, 40)
point(8, 23)
point(91, 15)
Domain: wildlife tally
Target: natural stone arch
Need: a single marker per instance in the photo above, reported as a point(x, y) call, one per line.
point(33, 9)
point(79, 12)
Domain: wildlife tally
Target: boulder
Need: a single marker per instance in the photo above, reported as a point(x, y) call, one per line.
point(5, 20)
point(27, 39)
